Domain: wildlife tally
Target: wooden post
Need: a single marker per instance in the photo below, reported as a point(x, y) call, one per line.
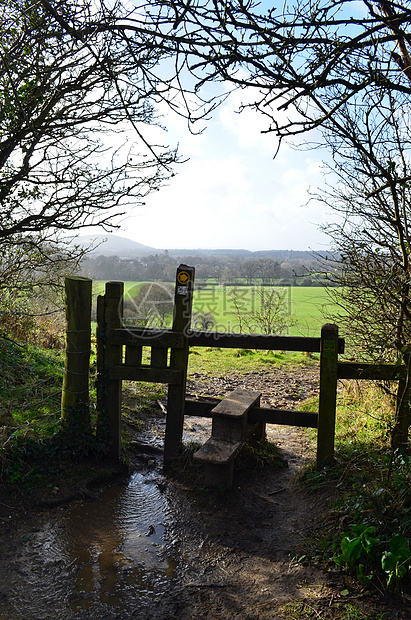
point(399, 437)
point(183, 301)
point(109, 315)
point(75, 395)
point(328, 394)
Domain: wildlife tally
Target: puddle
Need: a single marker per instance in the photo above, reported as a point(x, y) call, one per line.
point(97, 557)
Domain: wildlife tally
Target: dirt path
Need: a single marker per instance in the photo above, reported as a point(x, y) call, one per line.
point(232, 556)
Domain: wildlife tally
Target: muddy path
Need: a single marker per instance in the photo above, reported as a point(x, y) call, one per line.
point(151, 547)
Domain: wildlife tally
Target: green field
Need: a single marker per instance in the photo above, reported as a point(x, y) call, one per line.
point(309, 306)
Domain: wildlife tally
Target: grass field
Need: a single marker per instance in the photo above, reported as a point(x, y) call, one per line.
point(309, 306)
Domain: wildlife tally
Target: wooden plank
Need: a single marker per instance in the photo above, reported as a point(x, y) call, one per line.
point(134, 355)
point(146, 337)
point(286, 417)
point(200, 408)
point(257, 341)
point(230, 415)
point(381, 372)
point(145, 373)
point(216, 452)
point(236, 404)
point(159, 357)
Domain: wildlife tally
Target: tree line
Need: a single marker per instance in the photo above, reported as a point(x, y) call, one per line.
point(219, 270)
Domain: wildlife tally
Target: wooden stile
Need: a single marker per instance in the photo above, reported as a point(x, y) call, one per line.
point(230, 430)
point(112, 369)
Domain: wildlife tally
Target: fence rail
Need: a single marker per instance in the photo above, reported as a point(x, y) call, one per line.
point(371, 372)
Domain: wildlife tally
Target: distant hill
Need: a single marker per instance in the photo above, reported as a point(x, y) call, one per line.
point(113, 245)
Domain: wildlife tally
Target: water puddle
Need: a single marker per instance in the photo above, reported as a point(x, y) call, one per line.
point(98, 556)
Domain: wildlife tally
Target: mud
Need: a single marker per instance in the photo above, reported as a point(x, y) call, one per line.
point(155, 547)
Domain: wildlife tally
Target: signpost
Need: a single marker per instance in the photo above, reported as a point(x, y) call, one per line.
point(183, 302)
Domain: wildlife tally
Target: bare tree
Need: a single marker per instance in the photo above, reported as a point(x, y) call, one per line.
point(70, 88)
point(304, 57)
point(152, 306)
point(267, 312)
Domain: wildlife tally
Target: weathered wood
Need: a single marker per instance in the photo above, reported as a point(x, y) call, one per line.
point(257, 341)
point(145, 373)
point(183, 301)
point(217, 451)
point(134, 356)
point(230, 430)
point(102, 371)
point(328, 395)
point(146, 337)
point(287, 417)
point(376, 372)
point(75, 393)
point(109, 407)
point(230, 415)
point(217, 457)
point(159, 356)
point(399, 437)
point(236, 404)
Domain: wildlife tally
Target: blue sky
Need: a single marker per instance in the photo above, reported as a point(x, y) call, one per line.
point(233, 193)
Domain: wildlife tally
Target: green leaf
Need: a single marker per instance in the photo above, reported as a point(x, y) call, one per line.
point(388, 561)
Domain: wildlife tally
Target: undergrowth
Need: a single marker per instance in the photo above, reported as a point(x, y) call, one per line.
point(35, 445)
point(369, 524)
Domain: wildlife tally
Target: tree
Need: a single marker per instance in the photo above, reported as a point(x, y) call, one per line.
point(152, 307)
point(371, 265)
point(313, 57)
point(203, 321)
point(70, 86)
point(372, 241)
point(267, 312)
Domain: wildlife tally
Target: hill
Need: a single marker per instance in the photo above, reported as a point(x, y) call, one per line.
point(113, 245)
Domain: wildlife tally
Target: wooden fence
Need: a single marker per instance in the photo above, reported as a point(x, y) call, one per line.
point(120, 357)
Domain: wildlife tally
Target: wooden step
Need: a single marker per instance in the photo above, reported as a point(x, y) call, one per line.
point(230, 415)
point(236, 404)
point(217, 451)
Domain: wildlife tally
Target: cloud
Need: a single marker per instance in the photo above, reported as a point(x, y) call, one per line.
point(232, 193)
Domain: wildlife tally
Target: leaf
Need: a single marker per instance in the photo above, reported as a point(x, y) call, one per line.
point(388, 561)
point(399, 543)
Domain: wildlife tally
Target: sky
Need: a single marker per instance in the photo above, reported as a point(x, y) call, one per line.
point(232, 192)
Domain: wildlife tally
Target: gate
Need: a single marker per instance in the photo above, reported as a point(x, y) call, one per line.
point(120, 357)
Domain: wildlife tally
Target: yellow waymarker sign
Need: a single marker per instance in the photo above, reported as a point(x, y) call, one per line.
point(183, 277)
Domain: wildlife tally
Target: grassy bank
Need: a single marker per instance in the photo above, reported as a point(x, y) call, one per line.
point(367, 531)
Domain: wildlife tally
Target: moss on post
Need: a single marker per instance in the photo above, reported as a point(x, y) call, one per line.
point(75, 395)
